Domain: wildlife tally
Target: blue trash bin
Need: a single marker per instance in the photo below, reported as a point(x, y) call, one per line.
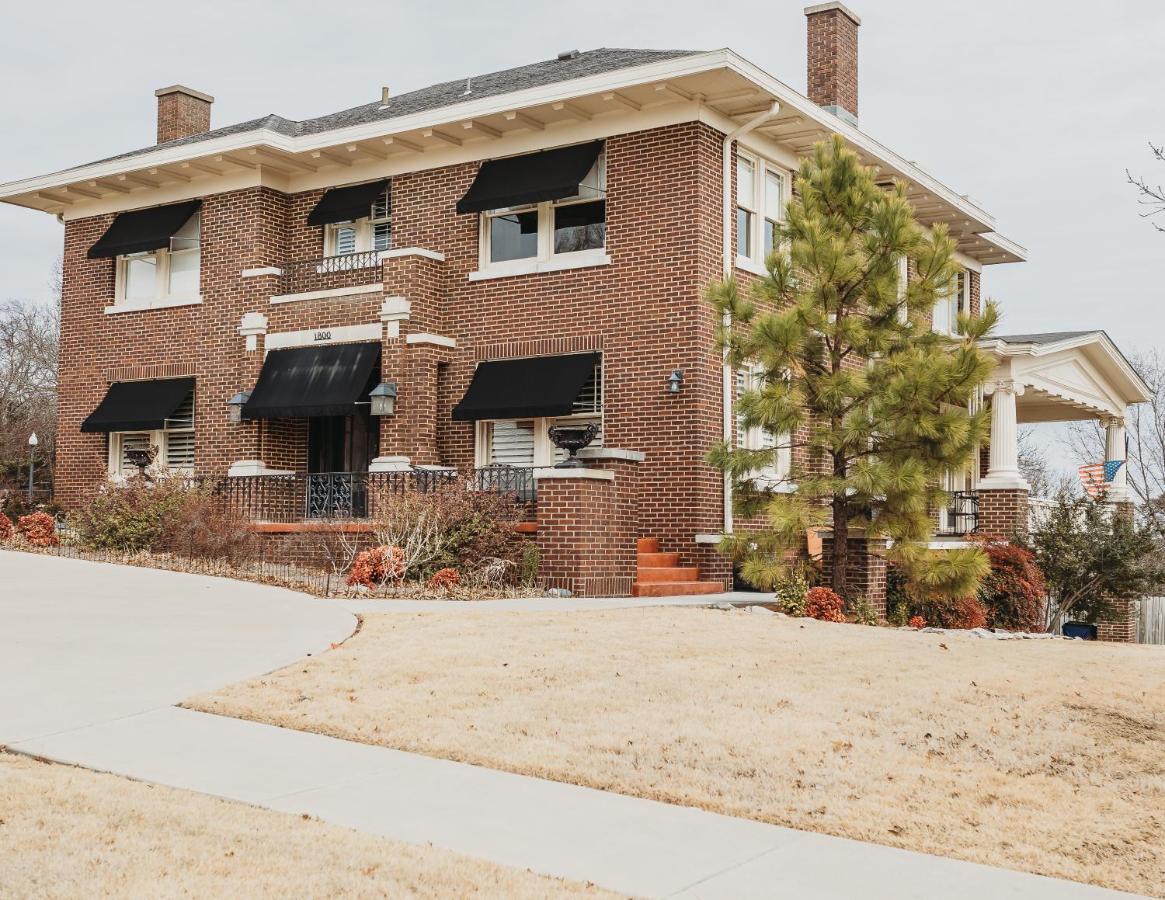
point(1084, 630)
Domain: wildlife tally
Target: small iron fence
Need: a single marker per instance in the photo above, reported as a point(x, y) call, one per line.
point(515, 481)
point(330, 272)
point(961, 515)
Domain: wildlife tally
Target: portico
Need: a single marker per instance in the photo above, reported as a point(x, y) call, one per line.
point(1063, 376)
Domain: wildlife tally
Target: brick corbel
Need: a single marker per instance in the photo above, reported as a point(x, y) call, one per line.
point(252, 325)
point(393, 311)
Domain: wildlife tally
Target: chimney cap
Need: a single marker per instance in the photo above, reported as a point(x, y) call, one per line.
point(828, 7)
point(182, 89)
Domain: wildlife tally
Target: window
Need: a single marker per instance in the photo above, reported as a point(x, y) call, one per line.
point(364, 235)
point(946, 311)
point(525, 442)
point(173, 444)
point(760, 196)
point(751, 378)
point(171, 273)
point(517, 236)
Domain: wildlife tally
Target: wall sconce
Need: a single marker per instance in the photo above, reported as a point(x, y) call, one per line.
point(236, 404)
point(675, 381)
point(383, 398)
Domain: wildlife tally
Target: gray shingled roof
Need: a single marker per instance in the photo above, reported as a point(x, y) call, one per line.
point(1047, 337)
point(449, 93)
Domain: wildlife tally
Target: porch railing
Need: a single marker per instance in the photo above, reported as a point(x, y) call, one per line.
point(961, 515)
point(330, 272)
point(359, 495)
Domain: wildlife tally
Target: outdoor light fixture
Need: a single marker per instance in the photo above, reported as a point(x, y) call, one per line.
point(236, 404)
point(675, 381)
point(383, 398)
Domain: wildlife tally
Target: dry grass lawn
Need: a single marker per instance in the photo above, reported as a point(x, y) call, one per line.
point(67, 832)
point(1044, 756)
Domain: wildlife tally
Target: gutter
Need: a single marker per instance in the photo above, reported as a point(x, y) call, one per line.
point(729, 268)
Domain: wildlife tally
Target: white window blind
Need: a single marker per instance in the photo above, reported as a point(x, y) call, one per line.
point(512, 443)
point(180, 449)
point(131, 441)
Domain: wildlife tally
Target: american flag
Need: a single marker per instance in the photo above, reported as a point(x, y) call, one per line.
point(1097, 476)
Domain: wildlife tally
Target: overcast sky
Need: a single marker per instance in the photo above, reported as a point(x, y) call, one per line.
point(1035, 109)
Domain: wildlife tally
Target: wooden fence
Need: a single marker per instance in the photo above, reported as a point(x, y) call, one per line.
point(1151, 620)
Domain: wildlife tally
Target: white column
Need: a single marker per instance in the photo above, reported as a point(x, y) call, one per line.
point(1114, 448)
point(1003, 470)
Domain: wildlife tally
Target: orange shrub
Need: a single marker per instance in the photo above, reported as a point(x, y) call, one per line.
point(5, 528)
point(372, 568)
point(38, 529)
point(917, 622)
point(443, 578)
point(822, 603)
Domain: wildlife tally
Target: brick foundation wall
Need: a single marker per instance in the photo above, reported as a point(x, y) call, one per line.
point(865, 569)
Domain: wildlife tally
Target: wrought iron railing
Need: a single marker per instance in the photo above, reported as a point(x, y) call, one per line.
point(323, 495)
point(513, 481)
point(961, 515)
point(329, 272)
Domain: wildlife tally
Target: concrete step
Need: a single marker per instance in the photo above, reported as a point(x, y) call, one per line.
point(667, 573)
point(647, 545)
point(675, 588)
point(657, 560)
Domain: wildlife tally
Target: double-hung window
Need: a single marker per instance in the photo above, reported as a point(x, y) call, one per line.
point(172, 445)
point(946, 310)
point(364, 235)
point(525, 442)
point(168, 274)
point(569, 231)
point(760, 209)
point(758, 437)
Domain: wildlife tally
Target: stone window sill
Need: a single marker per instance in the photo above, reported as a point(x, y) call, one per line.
point(129, 306)
point(747, 265)
point(584, 259)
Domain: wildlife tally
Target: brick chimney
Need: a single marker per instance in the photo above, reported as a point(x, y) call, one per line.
point(182, 112)
point(832, 31)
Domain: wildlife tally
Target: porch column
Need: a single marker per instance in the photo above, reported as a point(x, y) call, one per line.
point(1003, 467)
point(1003, 492)
point(1114, 449)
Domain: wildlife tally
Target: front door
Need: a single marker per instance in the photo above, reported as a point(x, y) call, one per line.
point(339, 449)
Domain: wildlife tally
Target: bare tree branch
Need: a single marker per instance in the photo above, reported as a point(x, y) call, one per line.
point(1152, 197)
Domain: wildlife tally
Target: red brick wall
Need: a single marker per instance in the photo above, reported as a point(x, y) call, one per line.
point(181, 115)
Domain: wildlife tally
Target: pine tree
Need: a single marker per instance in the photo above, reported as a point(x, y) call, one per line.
point(849, 370)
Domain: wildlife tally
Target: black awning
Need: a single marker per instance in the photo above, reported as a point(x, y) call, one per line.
point(314, 381)
point(345, 204)
point(533, 178)
point(143, 229)
point(138, 405)
point(525, 388)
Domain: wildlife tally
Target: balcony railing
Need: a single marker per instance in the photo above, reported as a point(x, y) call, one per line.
point(321, 496)
point(961, 515)
point(330, 272)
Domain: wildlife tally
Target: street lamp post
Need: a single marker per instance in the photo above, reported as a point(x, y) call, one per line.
point(32, 442)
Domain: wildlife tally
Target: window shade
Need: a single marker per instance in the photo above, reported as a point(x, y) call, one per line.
point(533, 178)
point(143, 230)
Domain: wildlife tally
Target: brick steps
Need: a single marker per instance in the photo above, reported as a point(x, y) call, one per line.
point(659, 574)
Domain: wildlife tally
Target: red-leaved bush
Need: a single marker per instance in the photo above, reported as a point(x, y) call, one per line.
point(5, 528)
point(917, 622)
point(376, 566)
point(1013, 593)
point(965, 612)
point(443, 578)
point(38, 529)
point(822, 603)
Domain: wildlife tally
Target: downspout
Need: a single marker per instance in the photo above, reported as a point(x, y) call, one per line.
point(729, 268)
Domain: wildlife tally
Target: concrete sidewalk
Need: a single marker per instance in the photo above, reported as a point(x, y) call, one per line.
point(93, 658)
point(630, 845)
point(540, 604)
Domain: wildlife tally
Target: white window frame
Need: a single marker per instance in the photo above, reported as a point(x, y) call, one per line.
point(903, 284)
point(544, 258)
point(365, 228)
point(159, 439)
point(162, 257)
point(545, 453)
point(757, 437)
point(957, 300)
point(753, 257)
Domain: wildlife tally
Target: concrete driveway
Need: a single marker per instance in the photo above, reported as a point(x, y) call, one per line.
point(83, 643)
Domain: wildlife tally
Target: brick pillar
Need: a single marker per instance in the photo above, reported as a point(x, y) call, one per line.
point(865, 574)
point(582, 535)
point(1121, 624)
point(1003, 513)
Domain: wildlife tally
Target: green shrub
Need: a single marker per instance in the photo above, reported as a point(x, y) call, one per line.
point(791, 590)
point(863, 611)
point(531, 559)
point(898, 606)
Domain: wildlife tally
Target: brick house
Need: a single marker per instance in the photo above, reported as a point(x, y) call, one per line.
point(420, 287)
